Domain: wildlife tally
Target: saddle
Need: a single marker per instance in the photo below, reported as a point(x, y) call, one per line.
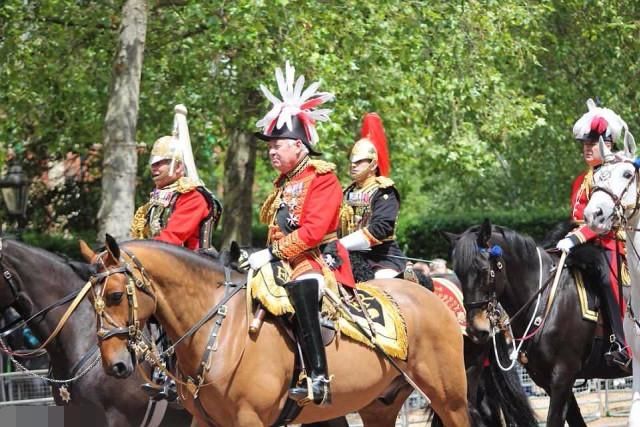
point(342, 310)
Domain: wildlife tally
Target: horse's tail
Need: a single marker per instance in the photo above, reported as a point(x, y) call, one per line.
point(499, 392)
point(505, 389)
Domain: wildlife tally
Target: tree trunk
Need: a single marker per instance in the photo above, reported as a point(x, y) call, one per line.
point(120, 157)
point(239, 170)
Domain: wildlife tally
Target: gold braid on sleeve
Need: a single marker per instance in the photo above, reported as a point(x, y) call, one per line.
point(269, 207)
point(139, 227)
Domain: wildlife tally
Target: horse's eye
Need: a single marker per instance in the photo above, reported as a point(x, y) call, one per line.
point(627, 174)
point(114, 298)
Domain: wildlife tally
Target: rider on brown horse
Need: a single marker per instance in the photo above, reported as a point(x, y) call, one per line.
point(180, 211)
point(302, 215)
point(371, 203)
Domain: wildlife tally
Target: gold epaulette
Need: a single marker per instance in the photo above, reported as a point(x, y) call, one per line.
point(322, 167)
point(384, 182)
point(185, 184)
point(139, 225)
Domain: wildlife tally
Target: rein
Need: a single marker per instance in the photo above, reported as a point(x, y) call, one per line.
point(19, 323)
point(76, 372)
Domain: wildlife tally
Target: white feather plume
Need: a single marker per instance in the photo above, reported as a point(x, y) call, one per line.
point(291, 103)
point(615, 123)
point(181, 133)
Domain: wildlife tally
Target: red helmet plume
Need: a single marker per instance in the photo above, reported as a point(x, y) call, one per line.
point(373, 144)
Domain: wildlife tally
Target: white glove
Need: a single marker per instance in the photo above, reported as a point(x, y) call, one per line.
point(565, 244)
point(355, 241)
point(260, 258)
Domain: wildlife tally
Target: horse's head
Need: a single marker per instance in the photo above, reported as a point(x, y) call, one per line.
point(479, 266)
point(124, 299)
point(614, 196)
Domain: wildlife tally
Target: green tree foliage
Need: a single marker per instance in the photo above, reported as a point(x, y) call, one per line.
point(478, 97)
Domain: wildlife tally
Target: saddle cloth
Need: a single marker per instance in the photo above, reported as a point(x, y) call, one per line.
point(390, 329)
point(449, 293)
point(588, 299)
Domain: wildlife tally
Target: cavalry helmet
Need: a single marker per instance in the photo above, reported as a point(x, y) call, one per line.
point(176, 147)
point(372, 144)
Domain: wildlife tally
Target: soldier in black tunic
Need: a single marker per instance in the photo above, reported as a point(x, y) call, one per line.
point(371, 203)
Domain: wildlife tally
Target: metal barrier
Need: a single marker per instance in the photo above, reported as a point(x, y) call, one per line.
point(21, 388)
point(617, 396)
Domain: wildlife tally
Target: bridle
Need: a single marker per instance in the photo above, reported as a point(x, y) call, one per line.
point(496, 266)
point(137, 342)
point(619, 209)
point(141, 347)
point(8, 278)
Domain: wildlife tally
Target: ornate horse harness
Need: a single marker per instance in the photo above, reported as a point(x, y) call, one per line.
point(141, 347)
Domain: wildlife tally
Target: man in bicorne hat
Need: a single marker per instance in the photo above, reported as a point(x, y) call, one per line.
point(600, 123)
point(371, 203)
point(180, 211)
point(302, 216)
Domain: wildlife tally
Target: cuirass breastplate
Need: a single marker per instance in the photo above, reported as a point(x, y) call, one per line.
point(359, 200)
point(161, 205)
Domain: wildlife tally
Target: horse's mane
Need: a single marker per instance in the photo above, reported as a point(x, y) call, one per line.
point(81, 269)
point(558, 232)
point(192, 260)
point(466, 248)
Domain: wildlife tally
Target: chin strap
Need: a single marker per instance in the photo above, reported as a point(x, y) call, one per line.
point(364, 174)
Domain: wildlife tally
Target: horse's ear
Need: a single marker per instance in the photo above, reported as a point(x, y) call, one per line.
point(451, 237)
point(484, 234)
point(87, 253)
point(112, 248)
point(629, 145)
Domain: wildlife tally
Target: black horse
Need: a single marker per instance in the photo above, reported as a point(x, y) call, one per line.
point(496, 264)
point(34, 279)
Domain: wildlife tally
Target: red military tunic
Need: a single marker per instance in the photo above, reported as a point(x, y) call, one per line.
point(174, 214)
point(580, 193)
point(183, 225)
point(302, 215)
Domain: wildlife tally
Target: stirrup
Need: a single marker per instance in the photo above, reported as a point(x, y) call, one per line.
point(167, 391)
point(618, 356)
point(317, 390)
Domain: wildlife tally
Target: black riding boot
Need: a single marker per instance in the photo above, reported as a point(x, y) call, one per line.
point(617, 354)
point(304, 297)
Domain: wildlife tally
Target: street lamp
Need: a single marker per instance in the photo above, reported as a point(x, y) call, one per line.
point(15, 187)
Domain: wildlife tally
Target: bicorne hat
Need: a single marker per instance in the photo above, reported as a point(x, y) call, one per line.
point(295, 115)
point(599, 122)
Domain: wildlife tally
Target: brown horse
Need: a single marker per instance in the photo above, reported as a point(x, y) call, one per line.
point(248, 378)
